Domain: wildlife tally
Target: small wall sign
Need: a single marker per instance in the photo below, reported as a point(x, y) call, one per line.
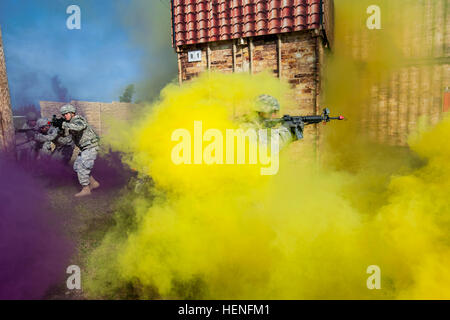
point(194, 56)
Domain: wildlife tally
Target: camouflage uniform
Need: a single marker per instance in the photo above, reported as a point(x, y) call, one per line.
point(44, 141)
point(284, 136)
point(27, 150)
point(269, 105)
point(87, 141)
point(63, 148)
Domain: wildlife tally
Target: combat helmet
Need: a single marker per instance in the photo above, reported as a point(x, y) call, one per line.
point(42, 122)
point(267, 104)
point(31, 116)
point(67, 108)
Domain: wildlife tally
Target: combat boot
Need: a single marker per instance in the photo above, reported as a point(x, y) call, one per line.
point(94, 184)
point(84, 192)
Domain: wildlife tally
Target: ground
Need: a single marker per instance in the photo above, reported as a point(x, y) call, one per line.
point(86, 220)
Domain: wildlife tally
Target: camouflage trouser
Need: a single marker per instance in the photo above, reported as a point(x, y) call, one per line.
point(84, 164)
point(27, 152)
point(46, 149)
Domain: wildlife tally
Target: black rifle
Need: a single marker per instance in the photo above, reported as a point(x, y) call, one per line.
point(26, 130)
point(57, 122)
point(296, 124)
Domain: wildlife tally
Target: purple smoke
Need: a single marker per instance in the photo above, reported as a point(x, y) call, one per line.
point(34, 253)
point(60, 92)
point(111, 172)
point(25, 109)
point(27, 88)
point(32, 87)
point(108, 170)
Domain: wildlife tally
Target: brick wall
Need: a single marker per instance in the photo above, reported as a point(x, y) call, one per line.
point(302, 56)
point(409, 94)
point(416, 88)
point(7, 141)
point(98, 114)
point(299, 62)
point(395, 103)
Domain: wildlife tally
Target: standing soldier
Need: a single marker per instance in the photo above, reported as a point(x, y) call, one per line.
point(87, 141)
point(267, 107)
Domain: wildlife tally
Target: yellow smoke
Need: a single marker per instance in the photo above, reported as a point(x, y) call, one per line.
point(226, 232)
point(309, 232)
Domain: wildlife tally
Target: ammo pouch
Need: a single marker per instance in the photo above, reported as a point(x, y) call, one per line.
point(92, 143)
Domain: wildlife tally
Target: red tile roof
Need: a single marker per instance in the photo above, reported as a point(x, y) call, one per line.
point(198, 21)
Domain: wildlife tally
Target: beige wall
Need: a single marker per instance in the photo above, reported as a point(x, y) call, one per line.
point(96, 113)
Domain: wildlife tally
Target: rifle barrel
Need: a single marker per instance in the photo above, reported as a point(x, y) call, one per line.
point(312, 118)
point(24, 130)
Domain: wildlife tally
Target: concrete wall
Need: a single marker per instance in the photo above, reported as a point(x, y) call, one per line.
point(7, 142)
point(98, 114)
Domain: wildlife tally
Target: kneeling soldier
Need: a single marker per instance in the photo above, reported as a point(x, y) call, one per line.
point(27, 150)
point(45, 137)
point(64, 148)
point(87, 141)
